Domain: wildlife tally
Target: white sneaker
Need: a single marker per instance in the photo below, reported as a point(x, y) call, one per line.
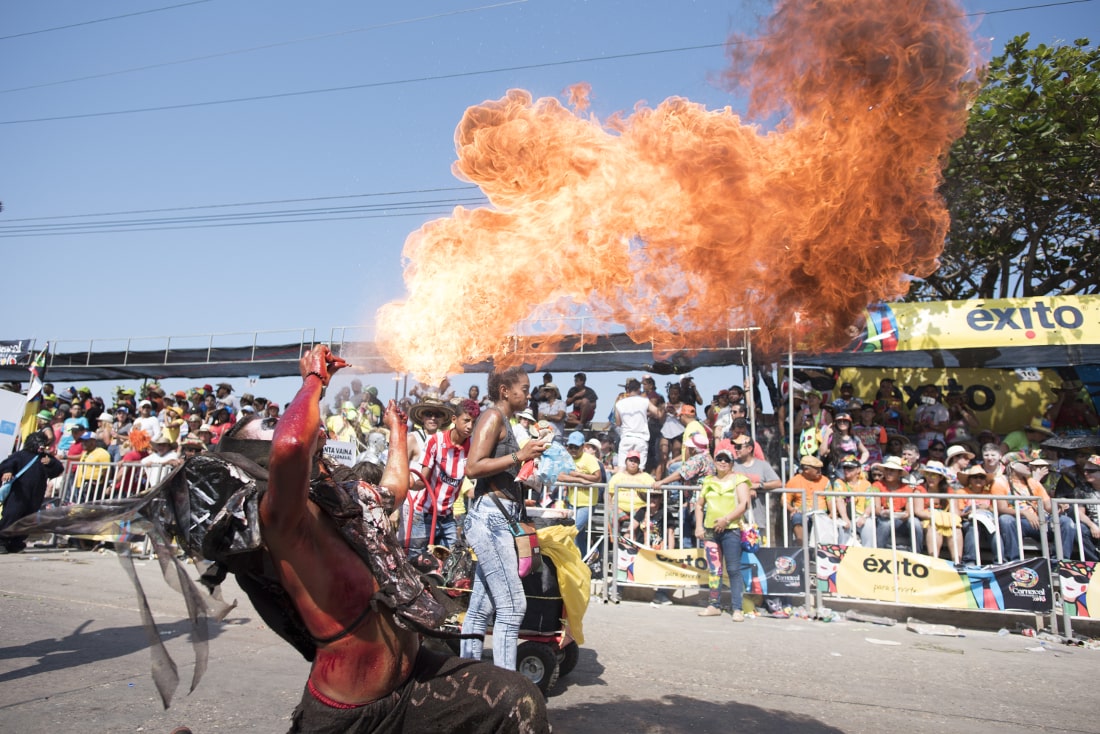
point(660, 599)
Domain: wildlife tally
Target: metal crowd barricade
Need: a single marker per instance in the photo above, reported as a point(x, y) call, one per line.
point(615, 521)
point(911, 497)
point(1048, 522)
point(680, 506)
point(89, 482)
point(567, 494)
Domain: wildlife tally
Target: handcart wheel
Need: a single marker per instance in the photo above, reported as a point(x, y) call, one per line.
point(567, 658)
point(539, 663)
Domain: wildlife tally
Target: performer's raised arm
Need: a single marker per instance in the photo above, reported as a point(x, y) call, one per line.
point(295, 441)
point(396, 475)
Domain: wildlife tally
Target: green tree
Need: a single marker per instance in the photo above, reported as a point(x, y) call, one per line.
point(1023, 183)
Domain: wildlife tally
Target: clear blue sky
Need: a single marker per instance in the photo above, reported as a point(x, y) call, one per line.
point(410, 70)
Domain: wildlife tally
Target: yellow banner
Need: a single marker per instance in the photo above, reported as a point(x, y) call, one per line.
point(1000, 323)
point(905, 578)
point(686, 567)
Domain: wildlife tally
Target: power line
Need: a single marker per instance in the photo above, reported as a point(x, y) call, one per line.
point(1028, 7)
point(365, 85)
point(263, 47)
point(54, 226)
point(102, 20)
point(247, 203)
point(413, 207)
point(274, 214)
point(334, 34)
point(441, 77)
point(439, 213)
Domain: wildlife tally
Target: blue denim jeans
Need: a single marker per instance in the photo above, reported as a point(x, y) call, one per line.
point(726, 546)
point(1007, 524)
point(446, 529)
point(580, 518)
point(973, 533)
point(907, 532)
point(497, 586)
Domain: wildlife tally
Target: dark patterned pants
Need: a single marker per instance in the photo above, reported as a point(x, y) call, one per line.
point(443, 694)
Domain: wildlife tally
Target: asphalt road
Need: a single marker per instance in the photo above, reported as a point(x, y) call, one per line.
point(73, 659)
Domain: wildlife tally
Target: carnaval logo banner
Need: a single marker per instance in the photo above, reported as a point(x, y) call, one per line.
point(1078, 593)
point(911, 578)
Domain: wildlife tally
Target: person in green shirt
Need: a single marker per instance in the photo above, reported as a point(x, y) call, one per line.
point(722, 503)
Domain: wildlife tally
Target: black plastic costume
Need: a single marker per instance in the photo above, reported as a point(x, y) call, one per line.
point(210, 507)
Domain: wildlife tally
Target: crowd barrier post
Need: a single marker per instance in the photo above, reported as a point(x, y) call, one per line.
point(807, 562)
point(610, 560)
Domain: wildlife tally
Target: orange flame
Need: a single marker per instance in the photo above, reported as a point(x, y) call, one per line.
point(677, 223)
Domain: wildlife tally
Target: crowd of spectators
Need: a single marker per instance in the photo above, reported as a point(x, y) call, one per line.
point(934, 444)
point(940, 447)
point(843, 442)
point(154, 429)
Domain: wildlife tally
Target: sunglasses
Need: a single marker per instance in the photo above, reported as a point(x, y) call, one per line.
point(1092, 471)
point(723, 459)
point(432, 414)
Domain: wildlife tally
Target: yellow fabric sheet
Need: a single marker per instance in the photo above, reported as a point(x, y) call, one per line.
point(574, 577)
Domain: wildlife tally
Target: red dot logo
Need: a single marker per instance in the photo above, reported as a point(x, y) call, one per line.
point(1029, 334)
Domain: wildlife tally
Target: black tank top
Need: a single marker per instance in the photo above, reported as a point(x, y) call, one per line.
point(503, 481)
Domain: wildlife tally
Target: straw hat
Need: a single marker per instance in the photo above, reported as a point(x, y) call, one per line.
point(416, 413)
point(957, 450)
point(892, 462)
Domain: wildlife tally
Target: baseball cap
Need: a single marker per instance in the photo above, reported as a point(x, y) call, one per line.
point(576, 438)
point(634, 455)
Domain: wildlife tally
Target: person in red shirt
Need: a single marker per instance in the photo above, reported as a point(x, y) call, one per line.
point(896, 515)
point(443, 468)
point(130, 476)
